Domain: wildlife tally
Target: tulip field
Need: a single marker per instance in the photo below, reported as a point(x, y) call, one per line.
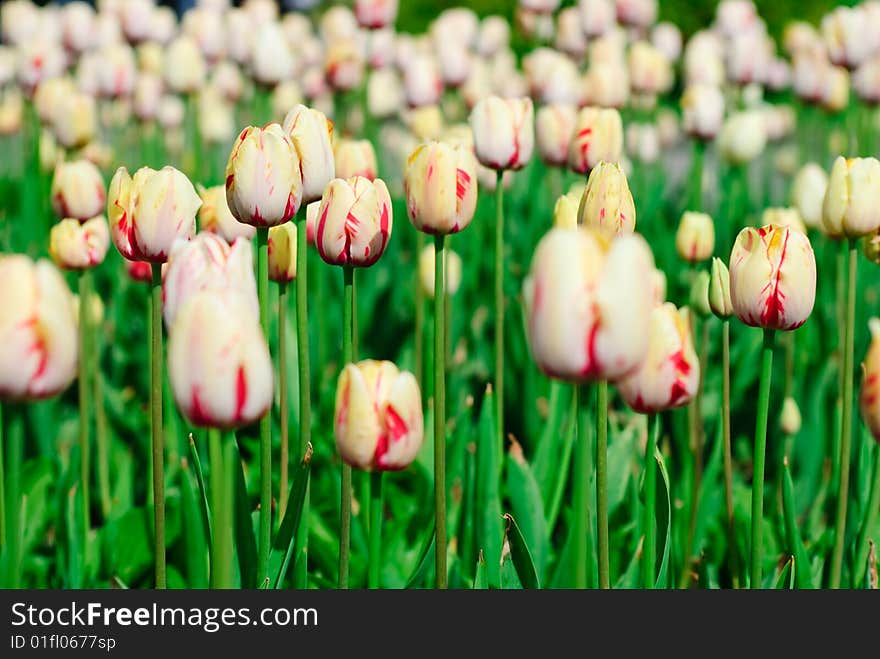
point(566, 298)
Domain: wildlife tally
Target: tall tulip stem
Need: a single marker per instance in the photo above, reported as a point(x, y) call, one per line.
point(418, 348)
point(266, 421)
point(649, 553)
point(221, 514)
point(375, 570)
point(85, 398)
point(347, 358)
point(697, 174)
point(440, 406)
point(158, 442)
point(581, 495)
point(305, 399)
point(284, 413)
point(12, 542)
point(602, 482)
point(846, 419)
point(760, 454)
point(728, 457)
point(499, 307)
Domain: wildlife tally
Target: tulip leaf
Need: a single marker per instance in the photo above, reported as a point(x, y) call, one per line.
point(544, 463)
point(194, 531)
point(785, 578)
point(203, 492)
point(481, 574)
point(520, 555)
point(525, 497)
point(488, 508)
point(425, 558)
point(284, 544)
point(245, 541)
point(664, 517)
point(793, 536)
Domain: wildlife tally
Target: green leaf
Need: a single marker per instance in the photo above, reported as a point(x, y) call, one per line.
point(425, 558)
point(195, 542)
point(203, 491)
point(664, 517)
point(525, 497)
point(488, 504)
point(284, 544)
point(245, 540)
point(786, 575)
point(793, 536)
point(481, 574)
point(520, 555)
point(127, 545)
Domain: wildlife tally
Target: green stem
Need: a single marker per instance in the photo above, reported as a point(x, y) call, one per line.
point(85, 363)
point(375, 530)
point(345, 502)
point(440, 408)
point(760, 453)
point(2, 485)
point(581, 495)
point(305, 400)
point(649, 553)
point(846, 420)
point(728, 457)
point(418, 348)
point(221, 545)
point(282, 397)
point(499, 308)
point(697, 174)
point(266, 421)
point(101, 437)
point(602, 482)
point(869, 523)
point(158, 444)
point(14, 530)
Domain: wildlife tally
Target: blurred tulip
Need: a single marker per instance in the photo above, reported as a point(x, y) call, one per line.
point(835, 89)
point(588, 303)
point(643, 142)
point(215, 216)
point(503, 132)
point(871, 248)
point(77, 190)
point(207, 26)
point(282, 253)
point(285, 95)
point(846, 36)
point(702, 109)
point(695, 238)
point(117, 72)
point(373, 14)
point(264, 185)
point(39, 59)
point(637, 13)
point(607, 86)
point(38, 333)
point(790, 418)
point(354, 158)
point(425, 122)
point(48, 94)
point(666, 38)
point(494, 35)
point(74, 120)
point(554, 128)
point(552, 77)
point(344, 65)
point(452, 271)
point(597, 16)
point(808, 193)
point(11, 112)
point(354, 222)
point(384, 93)
point(184, 66)
point(78, 246)
point(136, 16)
point(311, 131)
point(441, 188)
point(216, 118)
point(869, 398)
point(271, 59)
point(607, 204)
point(147, 95)
point(380, 48)
point(649, 70)
point(597, 137)
point(783, 217)
point(772, 277)
point(742, 137)
point(150, 211)
point(421, 81)
point(227, 78)
point(338, 23)
point(570, 37)
point(851, 206)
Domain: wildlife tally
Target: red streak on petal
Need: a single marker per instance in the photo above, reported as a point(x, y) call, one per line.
point(591, 368)
point(462, 183)
point(229, 180)
point(196, 414)
point(383, 220)
point(773, 311)
point(322, 220)
point(241, 389)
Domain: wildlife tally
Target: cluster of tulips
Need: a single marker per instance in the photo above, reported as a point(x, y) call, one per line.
point(451, 113)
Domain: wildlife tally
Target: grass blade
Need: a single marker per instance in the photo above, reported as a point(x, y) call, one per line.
point(793, 536)
point(520, 554)
point(203, 491)
point(284, 543)
point(245, 540)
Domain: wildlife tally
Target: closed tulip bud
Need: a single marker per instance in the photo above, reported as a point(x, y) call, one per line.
point(554, 128)
point(421, 80)
point(271, 59)
point(50, 153)
point(170, 112)
point(790, 418)
point(695, 238)
point(151, 58)
point(607, 204)
point(215, 216)
point(38, 335)
point(147, 94)
point(49, 93)
point(743, 137)
point(74, 120)
point(150, 211)
point(263, 181)
point(139, 270)
point(117, 72)
point(643, 142)
point(425, 122)
point(95, 309)
point(808, 193)
point(218, 361)
point(698, 300)
point(846, 34)
point(441, 187)
point(719, 290)
point(282, 253)
point(666, 38)
point(11, 112)
point(607, 85)
point(75, 246)
point(494, 35)
point(649, 70)
point(384, 93)
point(772, 277)
point(869, 398)
point(598, 136)
point(344, 65)
point(702, 107)
point(552, 77)
point(311, 131)
point(354, 158)
point(452, 266)
point(378, 417)
point(570, 37)
point(77, 190)
point(783, 217)
point(354, 222)
point(835, 89)
point(184, 65)
point(588, 302)
point(565, 212)
point(670, 373)
point(373, 14)
point(852, 200)
point(504, 133)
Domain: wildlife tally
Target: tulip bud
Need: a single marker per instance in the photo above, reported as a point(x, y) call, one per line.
point(790, 418)
point(373, 14)
point(698, 300)
point(598, 136)
point(170, 112)
point(310, 131)
point(207, 261)
point(421, 80)
point(147, 94)
point(77, 190)
point(150, 211)
point(74, 120)
point(554, 128)
point(719, 290)
point(607, 204)
point(743, 137)
point(869, 399)
point(852, 200)
point(271, 59)
point(503, 132)
point(702, 107)
point(835, 89)
point(588, 303)
point(452, 272)
point(354, 158)
point(354, 222)
point(75, 246)
point(772, 277)
point(215, 216)
point(384, 93)
point(441, 187)
point(38, 353)
point(263, 180)
point(95, 309)
point(425, 122)
point(695, 238)
point(11, 112)
point(379, 424)
point(670, 373)
point(184, 66)
point(565, 212)
point(218, 361)
point(606, 85)
point(808, 193)
point(846, 35)
point(139, 270)
point(344, 65)
point(570, 37)
point(783, 217)
point(649, 70)
point(282, 253)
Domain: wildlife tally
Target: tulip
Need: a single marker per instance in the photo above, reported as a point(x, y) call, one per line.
point(552, 77)
point(846, 36)
point(643, 142)
point(441, 188)
point(666, 38)
point(565, 212)
point(147, 94)
point(38, 358)
point(171, 111)
point(783, 217)
point(607, 204)
point(649, 70)
point(425, 122)
point(719, 290)
point(219, 365)
point(311, 132)
point(570, 37)
point(116, 75)
point(49, 93)
point(74, 120)
point(354, 158)
point(421, 81)
point(11, 112)
point(271, 59)
point(453, 269)
point(808, 193)
point(282, 253)
point(597, 16)
point(742, 137)
point(695, 238)
point(207, 261)
point(503, 132)
point(263, 181)
point(75, 246)
point(215, 216)
point(790, 418)
point(670, 373)
point(869, 400)
point(77, 190)
point(184, 66)
point(149, 211)
point(374, 14)
point(494, 35)
point(554, 128)
point(354, 222)
point(344, 65)
point(702, 111)
point(850, 207)
point(139, 270)
point(772, 277)
point(835, 89)
point(384, 93)
point(598, 136)
point(378, 417)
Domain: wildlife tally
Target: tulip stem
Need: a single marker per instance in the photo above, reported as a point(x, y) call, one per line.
point(374, 577)
point(282, 397)
point(420, 317)
point(347, 358)
point(85, 362)
point(760, 453)
point(649, 551)
point(221, 544)
point(697, 174)
point(14, 437)
point(728, 459)
point(499, 307)
point(602, 482)
point(581, 496)
point(305, 400)
point(158, 444)
point(2, 486)
point(101, 433)
point(266, 421)
point(870, 522)
point(440, 407)
point(846, 419)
